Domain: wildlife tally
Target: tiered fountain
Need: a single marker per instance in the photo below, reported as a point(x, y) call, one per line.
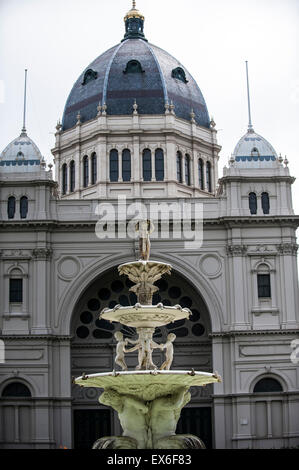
point(148, 400)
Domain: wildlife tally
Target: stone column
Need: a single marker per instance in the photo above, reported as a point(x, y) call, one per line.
point(41, 292)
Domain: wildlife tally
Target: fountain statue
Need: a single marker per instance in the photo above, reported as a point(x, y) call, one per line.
point(149, 399)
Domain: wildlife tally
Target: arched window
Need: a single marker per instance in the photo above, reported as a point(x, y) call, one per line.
point(147, 165)
point(159, 165)
point(64, 178)
point(20, 155)
point(255, 152)
point(94, 175)
point(113, 165)
point(187, 170)
point(85, 172)
point(89, 75)
point(265, 203)
point(11, 207)
point(201, 174)
point(133, 66)
point(15, 290)
point(252, 203)
point(126, 165)
point(268, 411)
point(209, 177)
point(179, 167)
point(16, 389)
point(267, 385)
point(72, 176)
point(23, 207)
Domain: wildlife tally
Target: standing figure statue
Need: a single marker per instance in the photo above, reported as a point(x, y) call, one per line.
point(145, 228)
point(120, 350)
point(169, 351)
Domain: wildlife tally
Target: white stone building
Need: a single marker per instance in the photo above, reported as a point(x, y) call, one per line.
point(136, 125)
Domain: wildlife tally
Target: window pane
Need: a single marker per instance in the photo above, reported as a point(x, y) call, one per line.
point(72, 176)
point(64, 179)
point(23, 207)
point(252, 203)
point(147, 165)
point(159, 165)
point(114, 165)
point(187, 170)
point(179, 167)
point(85, 172)
point(16, 290)
point(11, 207)
point(208, 177)
point(265, 203)
point(200, 174)
point(264, 285)
point(126, 165)
point(93, 169)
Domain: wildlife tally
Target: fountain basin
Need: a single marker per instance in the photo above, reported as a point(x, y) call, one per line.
point(148, 385)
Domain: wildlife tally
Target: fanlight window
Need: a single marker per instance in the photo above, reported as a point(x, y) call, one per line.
point(267, 385)
point(180, 74)
point(89, 76)
point(133, 66)
point(15, 390)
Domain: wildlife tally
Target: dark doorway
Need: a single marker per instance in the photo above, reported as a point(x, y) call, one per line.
point(197, 421)
point(90, 425)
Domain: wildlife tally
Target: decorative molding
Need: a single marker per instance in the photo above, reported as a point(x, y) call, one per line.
point(236, 250)
point(42, 253)
point(15, 254)
point(287, 248)
point(232, 334)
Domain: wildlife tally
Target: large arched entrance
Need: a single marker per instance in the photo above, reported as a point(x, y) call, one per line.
point(93, 351)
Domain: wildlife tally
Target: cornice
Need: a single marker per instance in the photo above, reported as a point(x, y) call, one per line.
point(253, 178)
point(235, 333)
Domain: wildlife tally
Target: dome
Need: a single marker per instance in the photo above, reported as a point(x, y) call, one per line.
point(254, 150)
point(135, 70)
point(22, 154)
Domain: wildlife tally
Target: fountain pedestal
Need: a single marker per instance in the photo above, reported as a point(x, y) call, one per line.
point(148, 401)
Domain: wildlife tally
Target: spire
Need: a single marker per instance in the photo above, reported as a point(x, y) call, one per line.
point(134, 22)
point(24, 112)
point(250, 127)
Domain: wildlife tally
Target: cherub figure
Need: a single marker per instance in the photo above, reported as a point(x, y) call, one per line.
point(145, 346)
point(145, 228)
point(169, 351)
point(120, 350)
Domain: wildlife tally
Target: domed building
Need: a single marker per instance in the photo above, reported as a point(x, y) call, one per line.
point(136, 141)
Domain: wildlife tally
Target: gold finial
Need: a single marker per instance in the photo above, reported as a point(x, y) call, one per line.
point(134, 13)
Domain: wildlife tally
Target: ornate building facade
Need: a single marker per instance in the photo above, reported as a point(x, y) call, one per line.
point(136, 125)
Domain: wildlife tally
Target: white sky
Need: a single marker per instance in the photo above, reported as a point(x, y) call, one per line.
point(57, 39)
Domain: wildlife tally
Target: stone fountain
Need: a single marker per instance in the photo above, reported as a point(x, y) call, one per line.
point(149, 399)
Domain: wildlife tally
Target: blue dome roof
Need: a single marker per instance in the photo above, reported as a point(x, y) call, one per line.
point(135, 69)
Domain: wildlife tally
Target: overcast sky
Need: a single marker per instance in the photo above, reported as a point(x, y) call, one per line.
point(57, 39)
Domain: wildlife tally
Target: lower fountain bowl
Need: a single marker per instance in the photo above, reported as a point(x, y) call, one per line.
point(148, 385)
